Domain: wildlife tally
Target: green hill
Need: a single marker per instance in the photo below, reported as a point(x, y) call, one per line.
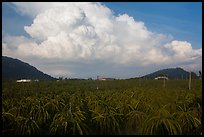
point(13, 69)
point(171, 73)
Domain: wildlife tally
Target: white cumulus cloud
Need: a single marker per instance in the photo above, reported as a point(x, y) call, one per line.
point(90, 33)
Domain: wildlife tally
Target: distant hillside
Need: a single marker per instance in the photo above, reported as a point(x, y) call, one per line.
point(171, 73)
point(13, 69)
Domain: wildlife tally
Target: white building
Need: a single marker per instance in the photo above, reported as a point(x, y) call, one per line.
point(23, 80)
point(102, 79)
point(161, 77)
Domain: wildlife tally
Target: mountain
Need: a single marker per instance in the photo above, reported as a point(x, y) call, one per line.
point(171, 73)
point(13, 69)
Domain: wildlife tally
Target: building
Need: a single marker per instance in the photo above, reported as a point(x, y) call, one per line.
point(105, 79)
point(23, 80)
point(161, 78)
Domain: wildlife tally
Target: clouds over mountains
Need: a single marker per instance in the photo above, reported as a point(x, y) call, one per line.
point(88, 33)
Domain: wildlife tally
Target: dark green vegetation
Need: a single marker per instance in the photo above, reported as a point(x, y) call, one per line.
point(13, 69)
point(172, 73)
point(118, 107)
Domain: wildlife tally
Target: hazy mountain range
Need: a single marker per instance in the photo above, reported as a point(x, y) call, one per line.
point(13, 69)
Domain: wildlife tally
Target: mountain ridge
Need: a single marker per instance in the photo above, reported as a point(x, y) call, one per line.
point(13, 69)
point(171, 73)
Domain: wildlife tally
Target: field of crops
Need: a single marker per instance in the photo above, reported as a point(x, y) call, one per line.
point(88, 107)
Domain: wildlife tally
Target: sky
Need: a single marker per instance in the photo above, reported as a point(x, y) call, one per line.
point(109, 39)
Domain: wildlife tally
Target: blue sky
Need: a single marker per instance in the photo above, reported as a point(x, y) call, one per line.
point(13, 22)
point(134, 52)
point(183, 20)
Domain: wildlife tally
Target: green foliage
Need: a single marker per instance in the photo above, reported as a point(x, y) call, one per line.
point(119, 107)
point(161, 122)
